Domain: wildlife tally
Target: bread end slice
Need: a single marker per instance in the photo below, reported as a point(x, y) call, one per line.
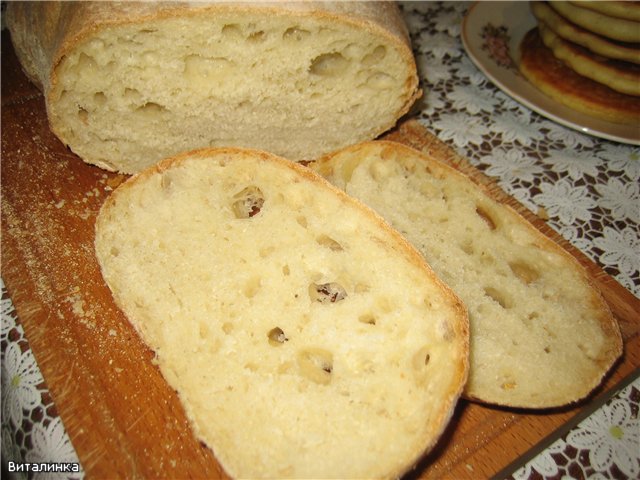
point(542, 336)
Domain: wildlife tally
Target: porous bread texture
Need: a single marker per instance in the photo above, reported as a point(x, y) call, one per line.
point(541, 334)
point(305, 338)
point(129, 84)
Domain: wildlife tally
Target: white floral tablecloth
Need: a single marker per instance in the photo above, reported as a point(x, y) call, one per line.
point(589, 188)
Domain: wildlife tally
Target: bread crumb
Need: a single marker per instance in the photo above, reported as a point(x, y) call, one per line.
point(543, 214)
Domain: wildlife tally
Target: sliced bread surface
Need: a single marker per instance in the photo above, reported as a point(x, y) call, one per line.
point(541, 334)
point(305, 338)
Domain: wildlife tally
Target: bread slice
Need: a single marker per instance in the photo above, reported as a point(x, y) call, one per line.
point(129, 83)
point(305, 338)
point(541, 334)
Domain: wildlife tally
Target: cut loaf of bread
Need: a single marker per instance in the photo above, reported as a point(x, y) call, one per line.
point(541, 334)
point(129, 83)
point(304, 337)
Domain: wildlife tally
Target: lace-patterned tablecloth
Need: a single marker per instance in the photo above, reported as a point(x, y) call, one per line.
point(588, 188)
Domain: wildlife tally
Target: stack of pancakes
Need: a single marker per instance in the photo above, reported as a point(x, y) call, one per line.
point(586, 55)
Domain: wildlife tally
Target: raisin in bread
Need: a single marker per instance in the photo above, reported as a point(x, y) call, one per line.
point(304, 337)
point(541, 334)
point(129, 83)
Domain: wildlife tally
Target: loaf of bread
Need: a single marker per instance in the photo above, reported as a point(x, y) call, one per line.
point(541, 333)
point(129, 83)
point(305, 338)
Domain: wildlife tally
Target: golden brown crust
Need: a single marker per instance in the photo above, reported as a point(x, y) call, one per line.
point(564, 85)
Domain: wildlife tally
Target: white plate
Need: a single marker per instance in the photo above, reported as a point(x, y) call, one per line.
point(516, 19)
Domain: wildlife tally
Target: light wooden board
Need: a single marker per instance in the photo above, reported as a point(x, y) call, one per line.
point(122, 418)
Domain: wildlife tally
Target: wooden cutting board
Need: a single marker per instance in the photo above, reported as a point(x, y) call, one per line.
point(123, 419)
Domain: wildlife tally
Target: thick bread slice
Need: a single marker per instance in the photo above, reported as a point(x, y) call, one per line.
point(129, 83)
point(541, 334)
point(304, 337)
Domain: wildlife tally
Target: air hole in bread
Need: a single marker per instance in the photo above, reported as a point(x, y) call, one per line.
point(367, 318)
point(497, 296)
point(248, 202)
point(302, 221)
point(508, 385)
point(131, 95)
point(83, 115)
point(524, 271)
point(85, 63)
point(252, 287)
point(331, 292)
point(328, 64)
point(380, 81)
point(316, 364)
point(375, 56)
point(276, 336)
point(227, 327)
point(251, 366)
point(114, 251)
point(330, 243)
point(484, 215)
point(295, 34)
point(421, 359)
point(150, 109)
point(256, 37)
point(547, 349)
point(232, 30)
point(467, 247)
point(549, 332)
point(286, 271)
point(99, 98)
point(197, 66)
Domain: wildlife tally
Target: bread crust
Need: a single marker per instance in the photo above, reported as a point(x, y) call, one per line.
point(391, 241)
point(339, 168)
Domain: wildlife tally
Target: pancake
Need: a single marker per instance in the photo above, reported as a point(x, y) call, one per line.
point(628, 52)
point(613, 8)
point(561, 83)
point(623, 77)
point(614, 28)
